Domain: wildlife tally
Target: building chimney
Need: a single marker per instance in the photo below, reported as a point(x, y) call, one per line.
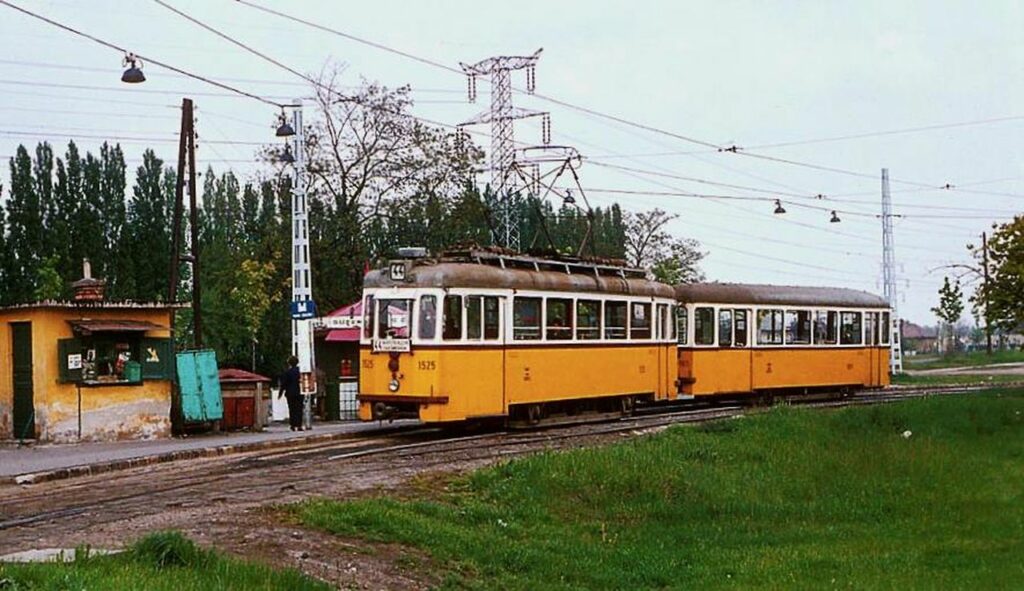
point(88, 289)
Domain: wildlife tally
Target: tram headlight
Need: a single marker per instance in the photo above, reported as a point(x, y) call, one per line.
point(393, 385)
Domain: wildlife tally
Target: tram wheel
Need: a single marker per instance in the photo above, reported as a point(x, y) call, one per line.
point(627, 404)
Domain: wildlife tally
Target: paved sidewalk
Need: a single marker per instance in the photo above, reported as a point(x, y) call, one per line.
point(38, 463)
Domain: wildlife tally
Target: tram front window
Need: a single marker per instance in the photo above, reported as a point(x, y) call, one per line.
point(393, 318)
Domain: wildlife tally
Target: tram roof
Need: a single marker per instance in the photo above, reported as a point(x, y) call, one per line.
point(783, 295)
point(546, 276)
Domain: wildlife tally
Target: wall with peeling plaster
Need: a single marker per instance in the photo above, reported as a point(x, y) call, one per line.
point(108, 412)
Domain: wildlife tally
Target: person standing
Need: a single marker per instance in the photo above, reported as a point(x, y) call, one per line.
point(292, 392)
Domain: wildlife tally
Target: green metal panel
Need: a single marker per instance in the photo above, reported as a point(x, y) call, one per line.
point(199, 386)
point(66, 348)
point(24, 405)
point(157, 359)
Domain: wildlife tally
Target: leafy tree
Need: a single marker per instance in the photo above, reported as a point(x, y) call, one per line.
point(950, 308)
point(648, 245)
point(49, 285)
point(1004, 292)
point(25, 234)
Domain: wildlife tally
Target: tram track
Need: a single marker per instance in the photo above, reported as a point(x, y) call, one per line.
point(257, 477)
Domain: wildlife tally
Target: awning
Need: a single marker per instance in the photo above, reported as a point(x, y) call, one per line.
point(351, 316)
point(88, 327)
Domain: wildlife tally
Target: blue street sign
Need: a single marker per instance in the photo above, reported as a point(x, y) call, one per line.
point(303, 310)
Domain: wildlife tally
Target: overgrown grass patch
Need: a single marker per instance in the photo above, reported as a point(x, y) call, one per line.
point(964, 359)
point(160, 561)
point(922, 494)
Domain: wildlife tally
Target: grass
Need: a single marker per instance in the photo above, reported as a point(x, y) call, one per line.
point(971, 359)
point(792, 498)
point(952, 380)
point(160, 561)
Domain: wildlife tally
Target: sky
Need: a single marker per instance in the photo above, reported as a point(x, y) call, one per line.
point(829, 79)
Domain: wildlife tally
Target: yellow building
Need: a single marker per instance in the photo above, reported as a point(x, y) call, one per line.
point(81, 370)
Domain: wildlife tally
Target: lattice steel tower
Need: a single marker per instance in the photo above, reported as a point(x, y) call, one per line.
point(889, 277)
point(501, 116)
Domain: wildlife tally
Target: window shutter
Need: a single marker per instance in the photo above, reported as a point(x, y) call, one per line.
point(157, 359)
point(65, 349)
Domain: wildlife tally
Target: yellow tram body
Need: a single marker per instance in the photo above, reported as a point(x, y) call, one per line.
point(485, 335)
point(745, 339)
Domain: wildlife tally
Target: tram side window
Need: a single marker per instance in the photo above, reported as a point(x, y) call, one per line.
point(825, 323)
point(681, 319)
point(492, 318)
point(559, 319)
point(769, 327)
point(850, 332)
point(526, 319)
point(798, 327)
point(885, 328)
point(369, 310)
point(615, 320)
point(739, 328)
point(452, 318)
point(640, 327)
point(662, 329)
point(673, 323)
point(870, 328)
point(474, 317)
point(428, 317)
point(588, 320)
point(725, 328)
point(704, 326)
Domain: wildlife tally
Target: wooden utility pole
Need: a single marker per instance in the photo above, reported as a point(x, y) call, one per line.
point(186, 159)
point(984, 271)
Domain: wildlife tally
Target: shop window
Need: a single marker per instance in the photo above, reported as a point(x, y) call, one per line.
point(704, 326)
point(825, 327)
point(681, 320)
point(428, 317)
point(640, 321)
point(559, 319)
point(615, 317)
point(798, 327)
point(588, 320)
point(850, 329)
point(115, 358)
point(769, 327)
point(452, 320)
point(393, 318)
point(526, 319)
point(725, 328)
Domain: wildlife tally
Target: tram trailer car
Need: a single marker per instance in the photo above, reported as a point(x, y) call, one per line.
point(737, 339)
point(485, 335)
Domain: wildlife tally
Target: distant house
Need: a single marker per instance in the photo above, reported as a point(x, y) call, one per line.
point(919, 339)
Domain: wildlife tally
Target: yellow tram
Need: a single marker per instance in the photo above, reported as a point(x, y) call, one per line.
point(481, 335)
point(745, 339)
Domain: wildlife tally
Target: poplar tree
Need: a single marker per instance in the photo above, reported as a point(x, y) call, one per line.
point(25, 229)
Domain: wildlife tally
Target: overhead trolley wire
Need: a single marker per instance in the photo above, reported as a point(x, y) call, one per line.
point(144, 58)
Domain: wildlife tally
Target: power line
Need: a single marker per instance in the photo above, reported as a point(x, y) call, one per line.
point(142, 57)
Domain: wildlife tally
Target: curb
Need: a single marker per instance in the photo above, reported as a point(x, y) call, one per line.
point(172, 456)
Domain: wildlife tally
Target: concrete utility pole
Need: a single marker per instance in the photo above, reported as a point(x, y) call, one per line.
point(302, 286)
point(984, 271)
point(501, 116)
point(889, 278)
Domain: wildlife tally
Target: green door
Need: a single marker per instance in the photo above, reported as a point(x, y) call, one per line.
point(24, 406)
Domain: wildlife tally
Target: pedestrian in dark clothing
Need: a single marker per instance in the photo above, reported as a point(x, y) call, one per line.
point(292, 392)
